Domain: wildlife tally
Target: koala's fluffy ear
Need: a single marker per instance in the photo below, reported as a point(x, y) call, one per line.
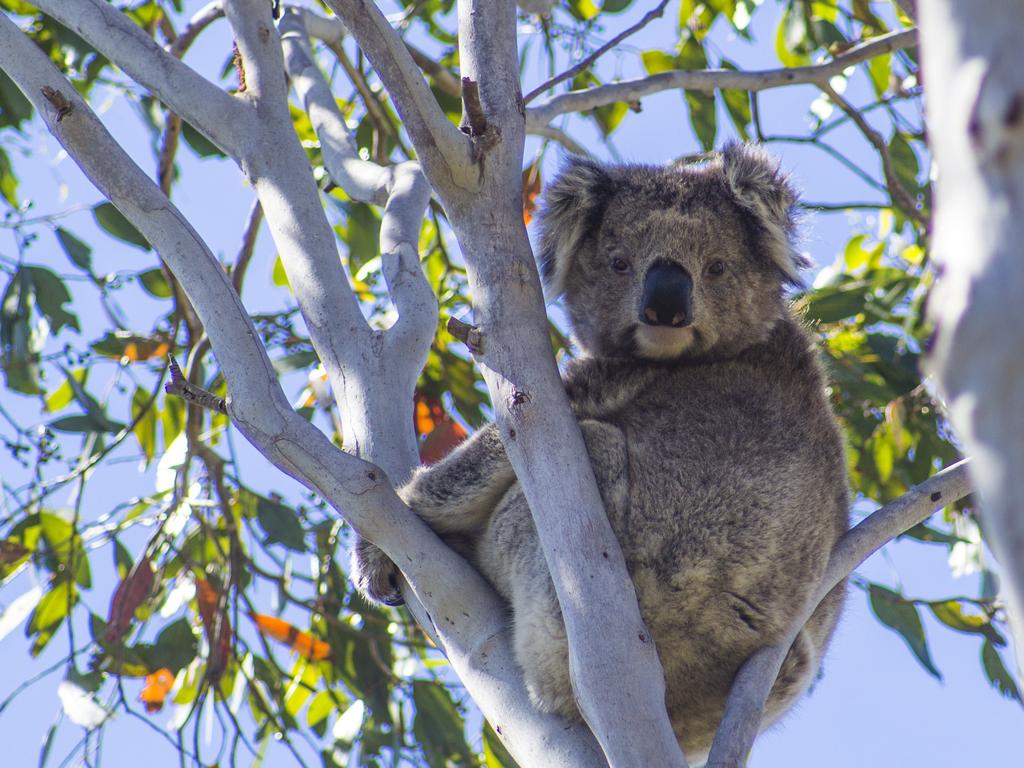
point(762, 189)
point(573, 206)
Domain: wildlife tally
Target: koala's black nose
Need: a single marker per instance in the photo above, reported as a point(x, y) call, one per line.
point(668, 296)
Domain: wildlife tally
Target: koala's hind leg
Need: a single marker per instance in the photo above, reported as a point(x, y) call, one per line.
point(454, 496)
point(510, 556)
point(542, 648)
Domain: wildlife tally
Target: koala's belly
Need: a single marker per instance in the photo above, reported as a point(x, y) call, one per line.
point(703, 536)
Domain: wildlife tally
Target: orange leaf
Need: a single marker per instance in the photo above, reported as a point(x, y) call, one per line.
point(439, 443)
point(531, 189)
point(155, 690)
point(127, 597)
point(301, 642)
point(424, 422)
point(439, 431)
point(217, 627)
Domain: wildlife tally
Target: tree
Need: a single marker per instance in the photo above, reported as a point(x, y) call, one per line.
point(420, 132)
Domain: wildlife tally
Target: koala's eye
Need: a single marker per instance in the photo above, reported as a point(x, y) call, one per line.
point(716, 268)
point(620, 265)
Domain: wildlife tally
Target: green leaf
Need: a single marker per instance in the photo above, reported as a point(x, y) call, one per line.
point(114, 222)
point(584, 10)
point(703, 118)
point(8, 181)
point(49, 614)
point(278, 275)
point(78, 252)
point(737, 104)
point(84, 424)
point(201, 145)
point(362, 234)
point(155, 283)
point(438, 725)
point(51, 295)
point(14, 107)
point(833, 303)
point(62, 396)
point(951, 613)
point(904, 163)
point(65, 543)
point(896, 613)
point(656, 62)
point(791, 38)
point(997, 673)
point(922, 532)
point(609, 116)
point(281, 524)
point(172, 418)
point(495, 754)
point(144, 416)
point(323, 704)
point(44, 753)
point(175, 647)
point(879, 69)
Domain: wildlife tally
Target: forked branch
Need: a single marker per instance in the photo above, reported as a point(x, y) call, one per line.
point(475, 629)
point(443, 150)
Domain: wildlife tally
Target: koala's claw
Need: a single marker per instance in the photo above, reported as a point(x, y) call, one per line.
point(393, 598)
point(375, 576)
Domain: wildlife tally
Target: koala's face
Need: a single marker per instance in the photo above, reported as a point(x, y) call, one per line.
point(669, 263)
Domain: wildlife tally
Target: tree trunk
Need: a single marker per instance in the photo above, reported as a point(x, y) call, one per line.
point(974, 83)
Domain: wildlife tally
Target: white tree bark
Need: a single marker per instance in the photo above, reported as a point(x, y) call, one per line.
point(974, 83)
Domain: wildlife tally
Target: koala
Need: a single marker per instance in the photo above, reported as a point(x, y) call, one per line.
point(703, 408)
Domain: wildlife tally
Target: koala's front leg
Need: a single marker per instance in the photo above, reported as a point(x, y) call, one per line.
point(454, 496)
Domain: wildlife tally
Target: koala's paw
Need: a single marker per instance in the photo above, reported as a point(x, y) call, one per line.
point(375, 576)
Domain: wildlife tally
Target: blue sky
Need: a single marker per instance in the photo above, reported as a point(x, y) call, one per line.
point(874, 706)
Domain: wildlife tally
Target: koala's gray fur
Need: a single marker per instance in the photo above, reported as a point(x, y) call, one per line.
point(716, 453)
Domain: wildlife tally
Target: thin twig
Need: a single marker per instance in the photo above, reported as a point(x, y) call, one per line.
point(252, 228)
point(710, 80)
point(468, 334)
point(589, 60)
point(179, 385)
point(560, 136)
point(896, 189)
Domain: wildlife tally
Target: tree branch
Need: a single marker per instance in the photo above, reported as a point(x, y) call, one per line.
point(558, 135)
point(213, 112)
point(589, 60)
point(745, 705)
point(895, 187)
point(245, 251)
point(710, 80)
point(974, 89)
point(444, 151)
point(203, 18)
